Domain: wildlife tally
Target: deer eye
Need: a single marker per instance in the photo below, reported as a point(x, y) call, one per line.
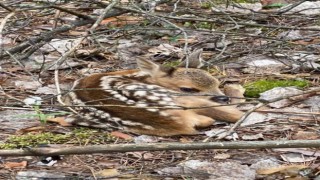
point(189, 90)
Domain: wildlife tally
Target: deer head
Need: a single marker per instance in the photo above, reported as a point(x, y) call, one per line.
point(184, 80)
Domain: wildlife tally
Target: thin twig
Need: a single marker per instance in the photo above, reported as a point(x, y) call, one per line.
point(2, 24)
point(73, 12)
point(20, 64)
point(185, 47)
point(5, 7)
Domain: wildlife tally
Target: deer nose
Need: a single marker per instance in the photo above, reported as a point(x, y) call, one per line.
point(220, 98)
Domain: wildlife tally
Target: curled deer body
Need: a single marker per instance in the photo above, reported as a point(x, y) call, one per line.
point(154, 100)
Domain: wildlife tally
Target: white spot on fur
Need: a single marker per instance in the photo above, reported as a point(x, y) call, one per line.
point(140, 93)
point(148, 127)
point(151, 86)
point(166, 99)
point(105, 116)
point(131, 123)
point(123, 98)
point(131, 87)
point(114, 93)
point(120, 97)
point(162, 102)
point(105, 82)
point(130, 102)
point(116, 119)
point(162, 94)
point(163, 113)
point(99, 112)
point(152, 110)
point(172, 104)
point(141, 104)
point(153, 98)
point(127, 93)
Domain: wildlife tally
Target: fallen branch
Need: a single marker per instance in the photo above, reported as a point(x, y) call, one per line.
point(160, 147)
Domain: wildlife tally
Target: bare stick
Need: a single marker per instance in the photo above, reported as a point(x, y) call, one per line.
point(111, 148)
point(5, 7)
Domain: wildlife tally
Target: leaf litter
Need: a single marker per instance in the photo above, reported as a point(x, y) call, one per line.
point(230, 44)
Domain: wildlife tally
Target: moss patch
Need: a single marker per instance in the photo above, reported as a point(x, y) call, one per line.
point(253, 89)
point(171, 63)
point(79, 136)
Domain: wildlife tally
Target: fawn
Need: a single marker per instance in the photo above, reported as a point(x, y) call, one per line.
point(154, 100)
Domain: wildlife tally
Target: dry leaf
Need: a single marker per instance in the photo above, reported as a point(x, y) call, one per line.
point(121, 135)
point(185, 140)
point(304, 151)
point(107, 173)
point(222, 156)
point(303, 42)
point(31, 129)
point(60, 120)
point(121, 20)
point(189, 40)
point(10, 165)
point(305, 135)
point(253, 137)
point(296, 158)
point(281, 169)
point(27, 84)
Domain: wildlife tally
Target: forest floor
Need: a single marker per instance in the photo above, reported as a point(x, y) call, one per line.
point(257, 47)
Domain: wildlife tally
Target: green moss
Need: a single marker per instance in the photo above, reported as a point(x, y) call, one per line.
point(206, 5)
point(187, 24)
point(253, 89)
point(79, 136)
point(204, 25)
point(171, 63)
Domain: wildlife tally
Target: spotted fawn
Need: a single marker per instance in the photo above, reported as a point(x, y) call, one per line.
point(154, 100)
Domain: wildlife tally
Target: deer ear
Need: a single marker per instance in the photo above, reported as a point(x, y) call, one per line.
point(195, 60)
point(154, 69)
point(148, 67)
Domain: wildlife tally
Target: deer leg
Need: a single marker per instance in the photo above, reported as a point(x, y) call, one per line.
point(203, 121)
point(211, 109)
point(235, 91)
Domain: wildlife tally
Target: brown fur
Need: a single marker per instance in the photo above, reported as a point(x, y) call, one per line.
point(161, 122)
